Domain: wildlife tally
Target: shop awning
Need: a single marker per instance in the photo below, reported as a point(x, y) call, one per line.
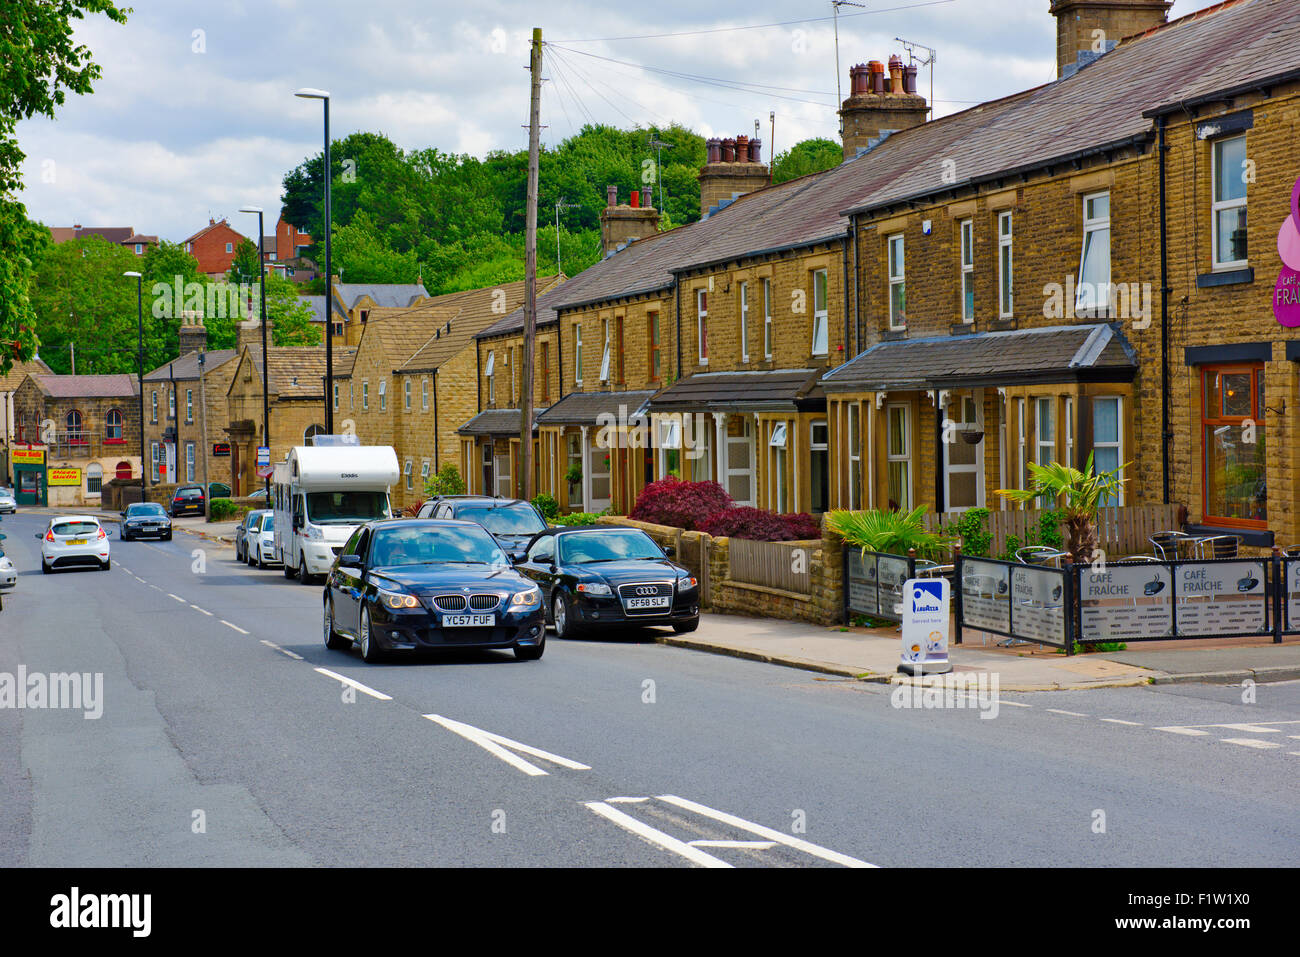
point(793, 389)
point(587, 408)
point(496, 422)
point(1096, 352)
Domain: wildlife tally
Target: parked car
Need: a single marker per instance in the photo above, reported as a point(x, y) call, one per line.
point(74, 540)
point(609, 577)
point(262, 538)
point(258, 495)
point(143, 519)
point(8, 504)
point(415, 584)
point(512, 521)
point(189, 500)
point(245, 534)
point(8, 574)
point(218, 490)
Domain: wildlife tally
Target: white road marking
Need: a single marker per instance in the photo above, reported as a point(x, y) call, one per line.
point(1252, 743)
point(283, 651)
point(766, 832)
point(177, 597)
point(625, 800)
point(1176, 729)
point(744, 845)
point(205, 611)
point(496, 745)
point(1073, 714)
point(354, 684)
point(1136, 724)
point(1001, 701)
point(236, 627)
point(656, 836)
point(156, 588)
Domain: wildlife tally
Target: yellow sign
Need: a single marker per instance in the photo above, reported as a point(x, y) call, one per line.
point(28, 456)
point(63, 477)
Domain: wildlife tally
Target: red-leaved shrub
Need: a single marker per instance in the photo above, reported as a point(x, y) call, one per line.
point(686, 505)
point(759, 525)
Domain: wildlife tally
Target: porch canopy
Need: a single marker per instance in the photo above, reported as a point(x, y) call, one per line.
point(798, 390)
point(595, 408)
point(497, 423)
point(1096, 352)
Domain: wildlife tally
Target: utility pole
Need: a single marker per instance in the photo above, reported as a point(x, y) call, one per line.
point(530, 269)
point(72, 347)
point(839, 95)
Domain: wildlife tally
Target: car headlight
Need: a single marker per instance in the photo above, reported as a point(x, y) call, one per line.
point(687, 583)
point(397, 599)
point(526, 599)
point(313, 534)
point(593, 588)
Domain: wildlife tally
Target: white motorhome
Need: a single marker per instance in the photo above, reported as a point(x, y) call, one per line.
point(321, 494)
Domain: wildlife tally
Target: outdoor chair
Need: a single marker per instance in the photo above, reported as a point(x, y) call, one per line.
point(1041, 555)
point(1217, 546)
point(1171, 545)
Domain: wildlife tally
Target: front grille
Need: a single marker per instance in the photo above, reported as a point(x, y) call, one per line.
point(646, 590)
point(449, 602)
point(484, 602)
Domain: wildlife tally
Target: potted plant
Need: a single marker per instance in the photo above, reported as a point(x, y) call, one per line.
point(1083, 492)
point(893, 533)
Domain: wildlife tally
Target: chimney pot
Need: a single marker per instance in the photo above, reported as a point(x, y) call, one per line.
point(859, 79)
point(896, 74)
point(636, 200)
point(728, 150)
point(611, 195)
point(756, 151)
point(877, 77)
point(909, 78)
point(714, 147)
point(742, 148)
point(645, 197)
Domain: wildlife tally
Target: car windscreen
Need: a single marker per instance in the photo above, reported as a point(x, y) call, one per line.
point(148, 508)
point(607, 546)
point(346, 508)
point(435, 545)
point(76, 528)
point(268, 523)
point(503, 519)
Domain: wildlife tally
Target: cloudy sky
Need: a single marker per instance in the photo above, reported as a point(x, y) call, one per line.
point(194, 116)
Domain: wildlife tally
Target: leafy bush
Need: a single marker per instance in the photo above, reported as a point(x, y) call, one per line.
point(220, 509)
point(576, 518)
point(413, 510)
point(890, 532)
point(446, 481)
point(970, 528)
point(574, 475)
point(759, 525)
point(547, 505)
point(686, 505)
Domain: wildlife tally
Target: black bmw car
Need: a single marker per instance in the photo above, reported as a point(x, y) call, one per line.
point(512, 521)
point(413, 584)
point(144, 519)
point(609, 577)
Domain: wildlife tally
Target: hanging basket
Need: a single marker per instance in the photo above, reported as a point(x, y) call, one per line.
point(972, 438)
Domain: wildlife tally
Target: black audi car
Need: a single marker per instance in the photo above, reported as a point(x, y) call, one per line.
point(412, 584)
point(603, 576)
point(143, 519)
point(512, 521)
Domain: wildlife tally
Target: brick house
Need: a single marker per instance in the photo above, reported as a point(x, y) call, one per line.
point(214, 247)
point(9, 383)
point(124, 236)
point(86, 426)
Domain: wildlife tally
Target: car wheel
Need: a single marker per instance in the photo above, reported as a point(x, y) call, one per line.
point(46, 568)
point(123, 536)
point(106, 565)
point(560, 614)
point(370, 652)
point(682, 627)
point(260, 562)
point(531, 652)
point(288, 572)
point(304, 576)
point(333, 640)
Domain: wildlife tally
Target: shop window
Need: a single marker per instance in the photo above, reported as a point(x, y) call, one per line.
point(1234, 465)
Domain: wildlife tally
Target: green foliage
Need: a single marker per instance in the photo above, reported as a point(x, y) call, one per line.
point(971, 529)
point(22, 244)
point(547, 505)
point(220, 509)
point(890, 532)
point(574, 474)
point(810, 156)
point(246, 266)
point(1013, 546)
point(446, 481)
point(289, 315)
point(575, 518)
point(1080, 649)
point(1049, 529)
point(1083, 491)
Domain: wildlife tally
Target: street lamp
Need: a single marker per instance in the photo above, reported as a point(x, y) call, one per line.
point(308, 93)
point(266, 355)
point(139, 322)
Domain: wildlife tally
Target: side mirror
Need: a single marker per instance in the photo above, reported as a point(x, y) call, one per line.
point(350, 561)
point(297, 522)
point(38, 536)
point(669, 549)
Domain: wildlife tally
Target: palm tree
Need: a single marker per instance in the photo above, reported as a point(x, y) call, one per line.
point(1083, 493)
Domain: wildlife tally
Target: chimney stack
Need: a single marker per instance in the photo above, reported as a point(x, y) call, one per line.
point(192, 335)
point(1082, 26)
point(620, 224)
point(880, 102)
point(735, 167)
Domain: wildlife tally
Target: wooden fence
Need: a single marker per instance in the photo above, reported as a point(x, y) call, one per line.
point(783, 565)
point(1121, 531)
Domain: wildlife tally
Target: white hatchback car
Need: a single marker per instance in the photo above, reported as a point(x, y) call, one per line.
point(8, 574)
point(262, 541)
point(72, 540)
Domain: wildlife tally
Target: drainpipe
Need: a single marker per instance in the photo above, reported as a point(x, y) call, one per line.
point(437, 463)
point(938, 451)
point(857, 289)
point(845, 341)
point(677, 290)
point(559, 356)
point(1166, 436)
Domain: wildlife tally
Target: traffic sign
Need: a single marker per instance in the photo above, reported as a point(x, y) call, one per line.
point(263, 455)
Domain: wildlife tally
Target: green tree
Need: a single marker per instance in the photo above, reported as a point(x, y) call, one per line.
point(244, 268)
point(82, 297)
point(1083, 493)
point(809, 156)
point(42, 63)
point(289, 316)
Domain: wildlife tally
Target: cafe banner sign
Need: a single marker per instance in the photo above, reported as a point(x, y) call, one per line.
point(63, 477)
point(1129, 601)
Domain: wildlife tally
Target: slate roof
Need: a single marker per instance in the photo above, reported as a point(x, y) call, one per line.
point(390, 295)
point(1094, 352)
point(298, 372)
point(779, 388)
point(317, 305)
point(585, 408)
point(186, 367)
point(496, 422)
point(86, 386)
point(20, 370)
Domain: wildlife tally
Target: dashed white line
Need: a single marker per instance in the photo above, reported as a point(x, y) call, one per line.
point(1252, 743)
point(1135, 724)
point(656, 836)
point(283, 651)
point(204, 610)
point(177, 597)
point(354, 684)
point(236, 627)
point(1180, 730)
point(1073, 714)
point(625, 800)
point(746, 845)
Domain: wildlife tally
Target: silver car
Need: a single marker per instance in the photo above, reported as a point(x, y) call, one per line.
point(8, 574)
point(8, 504)
point(246, 535)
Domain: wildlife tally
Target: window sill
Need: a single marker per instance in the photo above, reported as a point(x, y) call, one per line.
point(961, 329)
point(1003, 324)
point(893, 335)
point(115, 441)
point(1257, 536)
point(1225, 277)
